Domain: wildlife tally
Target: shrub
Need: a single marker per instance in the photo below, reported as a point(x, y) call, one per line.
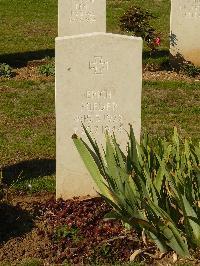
point(5, 70)
point(155, 190)
point(47, 69)
point(137, 21)
point(190, 70)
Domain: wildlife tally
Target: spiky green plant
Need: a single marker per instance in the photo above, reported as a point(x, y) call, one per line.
point(155, 190)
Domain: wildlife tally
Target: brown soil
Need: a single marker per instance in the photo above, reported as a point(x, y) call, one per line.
point(70, 231)
point(30, 72)
point(168, 75)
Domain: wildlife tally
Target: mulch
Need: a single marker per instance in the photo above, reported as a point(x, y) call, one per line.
point(71, 231)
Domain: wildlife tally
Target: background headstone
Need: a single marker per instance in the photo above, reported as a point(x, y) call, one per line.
point(98, 82)
point(81, 16)
point(185, 31)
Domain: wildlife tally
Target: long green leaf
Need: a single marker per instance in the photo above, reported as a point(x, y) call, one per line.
point(91, 165)
point(194, 225)
point(96, 149)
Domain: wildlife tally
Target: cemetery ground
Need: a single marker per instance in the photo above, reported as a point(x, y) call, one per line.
point(33, 224)
point(34, 228)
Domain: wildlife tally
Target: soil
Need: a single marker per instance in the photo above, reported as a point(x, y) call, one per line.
point(168, 75)
point(31, 72)
point(71, 231)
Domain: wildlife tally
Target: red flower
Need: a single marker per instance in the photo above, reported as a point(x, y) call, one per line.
point(157, 41)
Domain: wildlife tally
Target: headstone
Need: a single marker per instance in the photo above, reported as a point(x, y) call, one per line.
point(185, 31)
point(81, 16)
point(98, 83)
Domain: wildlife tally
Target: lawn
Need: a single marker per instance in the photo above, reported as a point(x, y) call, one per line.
point(28, 125)
point(29, 27)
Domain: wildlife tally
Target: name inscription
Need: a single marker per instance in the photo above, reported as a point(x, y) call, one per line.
point(82, 11)
point(191, 9)
point(99, 113)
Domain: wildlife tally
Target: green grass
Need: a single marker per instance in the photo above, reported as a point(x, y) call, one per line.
point(27, 119)
point(170, 103)
point(27, 125)
point(29, 27)
point(27, 133)
point(34, 185)
point(26, 262)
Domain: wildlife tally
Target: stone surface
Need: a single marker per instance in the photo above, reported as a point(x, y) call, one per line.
point(81, 16)
point(185, 30)
point(98, 82)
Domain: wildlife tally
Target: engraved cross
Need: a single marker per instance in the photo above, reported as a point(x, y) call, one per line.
point(98, 65)
point(83, 4)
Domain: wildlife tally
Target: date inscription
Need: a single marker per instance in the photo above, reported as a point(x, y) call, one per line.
point(191, 9)
point(99, 113)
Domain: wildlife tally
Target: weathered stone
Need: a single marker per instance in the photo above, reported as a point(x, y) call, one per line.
point(81, 16)
point(98, 82)
point(185, 31)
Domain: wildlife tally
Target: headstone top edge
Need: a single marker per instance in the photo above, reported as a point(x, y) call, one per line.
point(118, 36)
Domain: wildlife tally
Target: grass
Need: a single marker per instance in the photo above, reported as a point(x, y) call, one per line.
point(27, 125)
point(27, 120)
point(27, 133)
point(28, 108)
point(29, 27)
point(35, 185)
point(27, 262)
point(170, 103)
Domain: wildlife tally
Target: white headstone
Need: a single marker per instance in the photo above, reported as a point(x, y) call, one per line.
point(81, 16)
point(98, 82)
point(185, 30)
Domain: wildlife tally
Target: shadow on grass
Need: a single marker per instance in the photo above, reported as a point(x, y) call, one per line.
point(28, 170)
point(157, 60)
point(22, 59)
point(14, 221)
point(156, 54)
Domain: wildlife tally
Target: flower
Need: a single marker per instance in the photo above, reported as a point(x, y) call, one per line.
point(157, 41)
